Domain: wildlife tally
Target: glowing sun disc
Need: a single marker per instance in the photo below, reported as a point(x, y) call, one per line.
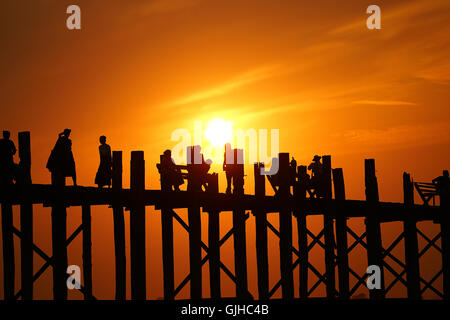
point(219, 131)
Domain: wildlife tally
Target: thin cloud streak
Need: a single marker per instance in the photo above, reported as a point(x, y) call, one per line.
point(385, 102)
point(236, 83)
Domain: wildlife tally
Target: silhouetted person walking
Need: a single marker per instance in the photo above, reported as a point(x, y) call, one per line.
point(61, 163)
point(7, 152)
point(104, 172)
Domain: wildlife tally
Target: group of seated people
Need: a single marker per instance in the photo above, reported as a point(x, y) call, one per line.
point(312, 183)
point(196, 170)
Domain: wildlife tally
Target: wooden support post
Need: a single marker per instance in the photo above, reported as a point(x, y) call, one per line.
point(59, 236)
point(239, 224)
point(328, 228)
point(300, 195)
point(373, 230)
point(285, 216)
point(8, 251)
point(444, 201)
point(213, 242)
point(26, 218)
point(411, 243)
point(119, 228)
point(262, 255)
point(341, 237)
point(87, 251)
point(194, 220)
point(195, 252)
point(137, 226)
point(167, 244)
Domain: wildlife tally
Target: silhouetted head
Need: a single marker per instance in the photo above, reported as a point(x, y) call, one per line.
point(6, 134)
point(167, 153)
point(445, 173)
point(102, 139)
point(316, 158)
point(67, 132)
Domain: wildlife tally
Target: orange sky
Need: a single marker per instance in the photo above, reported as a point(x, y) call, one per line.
point(140, 69)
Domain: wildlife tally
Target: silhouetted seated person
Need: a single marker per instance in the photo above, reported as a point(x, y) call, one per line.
point(7, 152)
point(170, 173)
point(197, 169)
point(104, 172)
point(443, 186)
point(206, 165)
point(61, 163)
point(304, 178)
point(316, 168)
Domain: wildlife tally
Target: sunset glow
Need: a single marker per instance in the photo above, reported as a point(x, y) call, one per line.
point(153, 75)
point(219, 132)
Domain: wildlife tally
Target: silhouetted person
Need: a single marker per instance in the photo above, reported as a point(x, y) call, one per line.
point(443, 186)
point(197, 169)
point(61, 162)
point(316, 168)
point(228, 166)
point(7, 152)
point(104, 172)
point(206, 165)
point(293, 171)
point(170, 173)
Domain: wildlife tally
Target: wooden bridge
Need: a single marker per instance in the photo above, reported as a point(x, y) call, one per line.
point(290, 202)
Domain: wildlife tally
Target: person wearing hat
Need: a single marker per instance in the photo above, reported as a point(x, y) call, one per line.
point(315, 167)
point(316, 171)
point(61, 163)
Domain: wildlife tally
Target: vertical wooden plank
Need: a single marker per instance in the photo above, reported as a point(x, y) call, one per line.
point(341, 236)
point(411, 243)
point(262, 254)
point(328, 227)
point(444, 202)
point(26, 217)
point(239, 225)
point(285, 216)
point(59, 236)
point(119, 227)
point(194, 221)
point(300, 195)
point(373, 230)
point(8, 252)
point(137, 227)
point(213, 242)
point(195, 252)
point(167, 245)
point(87, 251)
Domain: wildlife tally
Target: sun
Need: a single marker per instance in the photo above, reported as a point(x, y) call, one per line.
point(219, 131)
